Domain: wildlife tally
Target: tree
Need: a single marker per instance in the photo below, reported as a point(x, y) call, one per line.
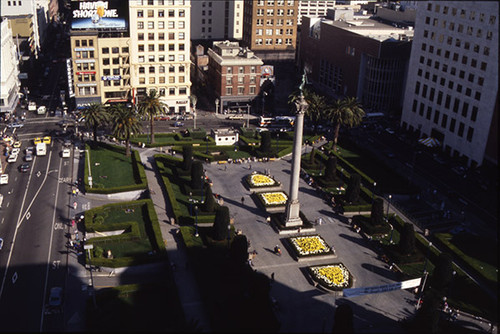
point(187, 157)
point(331, 168)
point(317, 106)
point(343, 321)
point(209, 204)
point(150, 106)
point(265, 141)
point(377, 214)
point(407, 239)
point(95, 116)
point(221, 223)
point(443, 273)
point(125, 123)
point(353, 188)
point(311, 156)
point(197, 175)
point(347, 112)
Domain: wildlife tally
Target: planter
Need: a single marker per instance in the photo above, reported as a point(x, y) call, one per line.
point(334, 277)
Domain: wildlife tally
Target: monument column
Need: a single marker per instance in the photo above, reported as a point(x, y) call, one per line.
point(292, 217)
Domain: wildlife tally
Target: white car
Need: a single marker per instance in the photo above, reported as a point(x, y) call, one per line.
point(1, 243)
point(15, 151)
point(66, 153)
point(4, 179)
point(12, 158)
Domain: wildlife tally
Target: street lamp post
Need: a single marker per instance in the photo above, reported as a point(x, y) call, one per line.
point(216, 105)
point(373, 193)
point(427, 257)
point(190, 203)
point(248, 115)
point(392, 231)
point(206, 140)
point(388, 205)
point(201, 183)
point(194, 119)
point(277, 142)
point(196, 222)
point(228, 235)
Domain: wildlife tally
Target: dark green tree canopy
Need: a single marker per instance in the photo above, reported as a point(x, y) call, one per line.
point(239, 250)
point(209, 205)
point(219, 229)
point(353, 188)
point(377, 214)
point(331, 168)
point(343, 321)
point(443, 273)
point(124, 124)
point(265, 141)
point(196, 175)
point(150, 106)
point(187, 157)
point(407, 239)
point(95, 116)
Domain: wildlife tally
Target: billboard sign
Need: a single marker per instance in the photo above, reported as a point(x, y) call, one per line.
point(103, 15)
point(353, 292)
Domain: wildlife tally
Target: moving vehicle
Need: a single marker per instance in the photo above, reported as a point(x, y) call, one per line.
point(66, 153)
point(15, 125)
point(178, 124)
point(41, 149)
point(4, 179)
point(28, 157)
point(25, 167)
point(235, 117)
point(1, 243)
point(47, 140)
point(32, 106)
point(41, 110)
point(37, 140)
point(17, 144)
point(15, 151)
point(12, 158)
point(30, 150)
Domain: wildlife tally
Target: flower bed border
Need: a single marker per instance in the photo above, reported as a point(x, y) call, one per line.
point(322, 282)
point(267, 188)
point(326, 255)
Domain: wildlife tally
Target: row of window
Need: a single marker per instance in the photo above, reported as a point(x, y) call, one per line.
point(161, 24)
point(13, 3)
point(462, 14)
point(452, 126)
point(269, 41)
point(241, 90)
point(458, 43)
point(114, 50)
point(115, 61)
point(241, 80)
point(460, 28)
point(270, 22)
point(84, 42)
point(273, 2)
point(172, 91)
point(279, 12)
point(160, 47)
point(161, 13)
point(116, 71)
point(269, 32)
point(160, 2)
point(162, 80)
point(161, 36)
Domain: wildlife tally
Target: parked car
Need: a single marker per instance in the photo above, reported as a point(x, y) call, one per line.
point(30, 150)
point(178, 124)
point(4, 179)
point(17, 144)
point(15, 125)
point(66, 153)
point(55, 298)
point(15, 151)
point(1, 243)
point(25, 167)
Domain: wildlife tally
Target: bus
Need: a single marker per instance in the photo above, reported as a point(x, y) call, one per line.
point(373, 116)
point(265, 121)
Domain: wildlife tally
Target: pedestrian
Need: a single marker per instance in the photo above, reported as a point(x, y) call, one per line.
point(225, 168)
point(272, 277)
point(74, 192)
point(250, 166)
point(76, 236)
point(268, 219)
point(72, 223)
point(77, 191)
point(75, 205)
point(250, 262)
point(242, 200)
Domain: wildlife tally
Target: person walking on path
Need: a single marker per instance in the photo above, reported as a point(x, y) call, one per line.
point(242, 200)
point(75, 205)
point(272, 277)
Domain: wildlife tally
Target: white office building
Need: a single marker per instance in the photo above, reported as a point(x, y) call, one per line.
point(452, 87)
point(159, 50)
point(313, 8)
point(216, 20)
point(9, 87)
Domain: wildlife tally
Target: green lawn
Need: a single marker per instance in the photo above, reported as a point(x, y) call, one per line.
point(110, 168)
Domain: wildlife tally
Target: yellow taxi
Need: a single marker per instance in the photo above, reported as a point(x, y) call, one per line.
point(37, 140)
point(17, 144)
point(47, 140)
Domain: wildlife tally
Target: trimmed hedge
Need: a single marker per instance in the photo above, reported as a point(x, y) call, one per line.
point(137, 167)
point(159, 160)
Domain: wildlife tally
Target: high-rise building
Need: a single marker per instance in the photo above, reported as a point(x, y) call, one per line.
point(160, 38)
point(346, 54)
point(131, 47)
point(216, 20)
point(9, 85)
point(313, 8)
point(270, 28)
point(452, 90)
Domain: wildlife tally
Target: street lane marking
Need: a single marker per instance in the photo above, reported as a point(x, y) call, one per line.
point(55, 264)
point(28, 215)
point(15, 277)
point(58, 226)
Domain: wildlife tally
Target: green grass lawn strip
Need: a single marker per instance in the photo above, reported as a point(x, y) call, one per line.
point(111, 168)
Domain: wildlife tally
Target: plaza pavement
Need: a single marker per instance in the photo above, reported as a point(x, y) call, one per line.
point(301, 306)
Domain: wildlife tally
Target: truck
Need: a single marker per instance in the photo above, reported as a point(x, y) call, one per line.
point(41, 149)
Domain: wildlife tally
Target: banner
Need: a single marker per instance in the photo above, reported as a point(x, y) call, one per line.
point(105, 15)
point(412, 283)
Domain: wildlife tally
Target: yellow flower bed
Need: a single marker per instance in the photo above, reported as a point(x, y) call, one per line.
point(260, 180)
point(335, 276)
point(274, 198)
point(310, 245)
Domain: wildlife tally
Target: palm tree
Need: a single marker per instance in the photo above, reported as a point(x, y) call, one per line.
point(150, 106)
point(125, 123)
point(347, 112)
point(317, 106)
point(94, 116)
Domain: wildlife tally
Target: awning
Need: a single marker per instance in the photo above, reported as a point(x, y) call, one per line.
point(429, 142)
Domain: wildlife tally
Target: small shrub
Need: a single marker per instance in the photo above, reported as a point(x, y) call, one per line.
point(98, 252)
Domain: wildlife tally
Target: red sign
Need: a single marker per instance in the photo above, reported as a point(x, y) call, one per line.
point(87, 72)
